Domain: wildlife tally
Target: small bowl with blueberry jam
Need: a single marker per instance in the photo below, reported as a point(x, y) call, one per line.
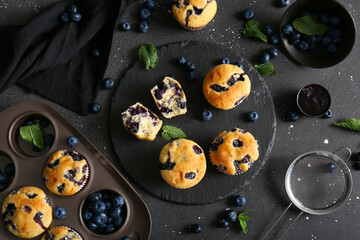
point(317, 34)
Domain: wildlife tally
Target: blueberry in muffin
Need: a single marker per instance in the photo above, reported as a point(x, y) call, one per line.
point(182, 163)
point(141, 122)
point(226, 86)
point(169, 98)
point(194, 14)
point(61, 233)
point(234, 151)
point(27, 212)
point(66, 172)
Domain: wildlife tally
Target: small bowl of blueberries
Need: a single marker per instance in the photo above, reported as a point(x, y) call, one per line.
point(317, 34)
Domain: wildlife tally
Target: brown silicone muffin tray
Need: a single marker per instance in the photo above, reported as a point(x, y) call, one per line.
point(29, 167)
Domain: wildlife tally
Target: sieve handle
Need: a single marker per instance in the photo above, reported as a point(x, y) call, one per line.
point(344, 148)
point(282, 235)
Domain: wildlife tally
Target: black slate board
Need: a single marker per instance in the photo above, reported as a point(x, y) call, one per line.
point(140, 158)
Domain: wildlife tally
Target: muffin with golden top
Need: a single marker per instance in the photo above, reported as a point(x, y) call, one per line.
point(61, 233)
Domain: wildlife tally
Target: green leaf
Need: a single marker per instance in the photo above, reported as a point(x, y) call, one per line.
point(171, 132)
point(309, 25)
point(243, 219)
point(253, 29)
point(148, 56)
point(350, 123)
point(266, 69)
point(33, 134)
point(244, 226)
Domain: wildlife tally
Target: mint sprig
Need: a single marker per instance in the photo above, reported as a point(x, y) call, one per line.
point(310, 25)
point(148, 56)
point(171, 132)
point(349, 123)
point(243, 219)
point(266, 69)
point(33, 134)
point(253, 29)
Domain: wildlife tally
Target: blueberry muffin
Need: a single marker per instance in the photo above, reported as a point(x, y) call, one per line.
point(234, 151)
point(169, 98)
point(182, 163)
point(26, 212)
point(194, 14)
point(61, 233)
point(141, 122)
point(66, 172)
point(226, 86)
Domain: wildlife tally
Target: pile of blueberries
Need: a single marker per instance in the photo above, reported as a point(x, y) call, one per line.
point(71, 14)
point(330, 40)
point(189, 67)
point(144, 16)
point(104, 212)
point(6, 176)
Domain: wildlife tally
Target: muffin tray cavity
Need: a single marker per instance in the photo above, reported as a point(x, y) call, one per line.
point(29, 162)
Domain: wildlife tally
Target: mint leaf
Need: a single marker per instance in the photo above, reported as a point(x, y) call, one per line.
point(33, 134)
point(253, 29)
point(309, 25)
point(266, 69)
point(148, 56)
point(350, 123)
point(170, 132)
point(243, 219)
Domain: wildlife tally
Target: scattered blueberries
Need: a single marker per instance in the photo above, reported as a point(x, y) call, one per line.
point(330, 167)
point(328, 114)
point(224, 223)
point(144, 13)
point(75, 17)
point(287, 29)
point(65, 18)
point(59, 213)
point(231, 215)
point(253, 116)
point(143, 26)
point(248, 14)
point(283, 3)
point(72, 8)
point(293, 116)
point(273, 52)
point(190, 66)
point(239, 201)
point(126, 26)
point(72, 141)
point(96, 107)
point(181, 61)
point(150, 4)
point(225, 61)
point(268, 29)
point(206, 115)
point(96, 52)
point(195, 228)
point(264, 58)
point(274, 39)
point(191, 76)
point(108, 83)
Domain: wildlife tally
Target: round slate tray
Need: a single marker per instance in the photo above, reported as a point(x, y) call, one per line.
point(140, 158)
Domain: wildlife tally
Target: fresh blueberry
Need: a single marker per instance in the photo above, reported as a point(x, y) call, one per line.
point(295, 36)
point(181, 61)
point(195, 228)
point(98, 207)
point(248, 14)
point(96, 107)
point(87, 214)
point(65, 18)
point(264, 58)
point(231, 215)
point(72, 8)
point(150, 4)
point(330, 167)
point(35, 148)
point(143, 26)
point(3, 178)
point(191, 76)
point(72, 141)
point(324, 18)
point(253, 116)
point(91, 225)
point(283, 3)
point(93, 197)
point(287, 29)
point(190, 66)
point(75, 17)
point(126, 26)
point(239, 200)
point(10, 169)
point(334, 20)
point(328, 114)
point(332, 48)
point(3, 186)
point(268, 29)
point(49, 139)
point(303, 46)
point(144, 13)
point(44, 123)
point(311, 40)
point(108, 204)
point(206, 115)
point(96, 52)
point(224, 223)
point(59, 213)
point(115, 212)
point(29, 123)
point(118, 201)
point(126, 238)
point(326, 40)
point(109, 228)
point(225, 61)
point(273, 52)
point(99, 218)
point(293, 116)
point(118, 221)
point(239, 64)
point(274, 39)
point(108, 83)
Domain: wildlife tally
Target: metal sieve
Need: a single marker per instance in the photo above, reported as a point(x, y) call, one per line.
point(317, 182)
